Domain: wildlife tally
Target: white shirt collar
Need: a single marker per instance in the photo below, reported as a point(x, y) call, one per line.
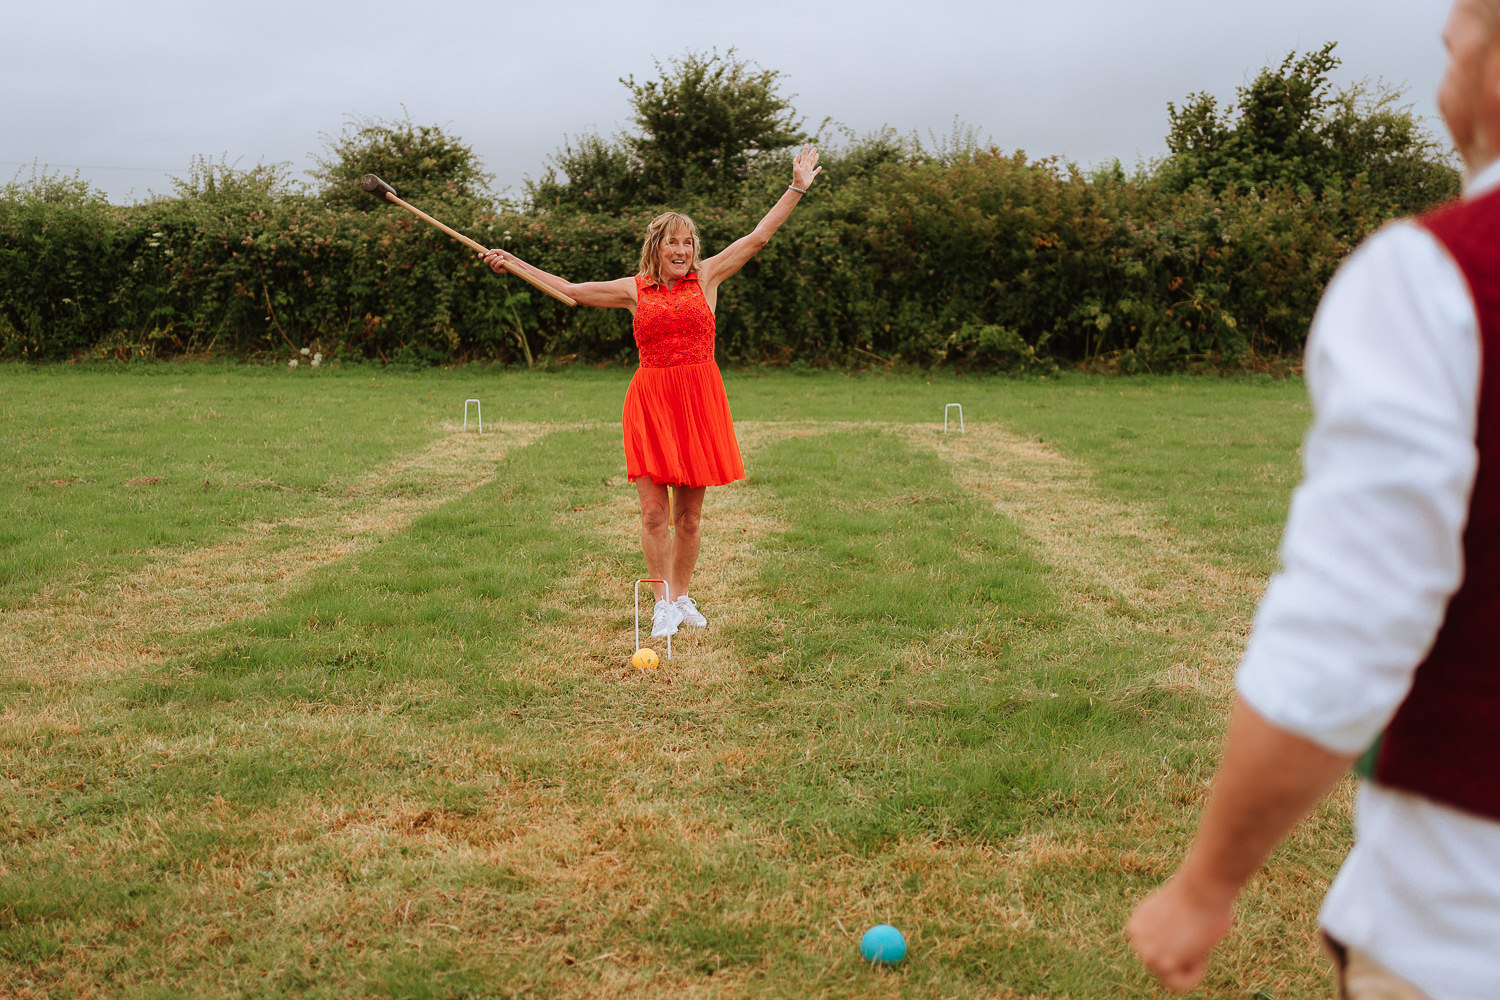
point(1486, 179)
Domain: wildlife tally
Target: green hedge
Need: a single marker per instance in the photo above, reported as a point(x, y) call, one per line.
point(992, 262)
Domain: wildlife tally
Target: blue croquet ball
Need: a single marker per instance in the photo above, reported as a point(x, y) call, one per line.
point(883, 944)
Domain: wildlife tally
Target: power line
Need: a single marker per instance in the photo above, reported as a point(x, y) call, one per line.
point(84, 166)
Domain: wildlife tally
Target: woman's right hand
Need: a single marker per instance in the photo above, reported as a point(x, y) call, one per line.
point(617, 294)
point(496, 260)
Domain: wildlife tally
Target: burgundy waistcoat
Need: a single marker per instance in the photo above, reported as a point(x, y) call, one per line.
point(1444, 742)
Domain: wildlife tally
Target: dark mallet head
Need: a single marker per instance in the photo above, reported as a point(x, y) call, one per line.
point(375, 185)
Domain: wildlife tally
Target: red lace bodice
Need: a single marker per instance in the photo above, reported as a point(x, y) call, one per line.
point(673, 327)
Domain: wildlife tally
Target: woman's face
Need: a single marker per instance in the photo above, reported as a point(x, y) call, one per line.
point(676, 254)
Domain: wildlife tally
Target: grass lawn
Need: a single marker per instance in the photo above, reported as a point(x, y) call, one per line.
point(306, 691)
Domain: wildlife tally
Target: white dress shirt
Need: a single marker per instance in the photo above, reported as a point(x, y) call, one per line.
point(1372, 552)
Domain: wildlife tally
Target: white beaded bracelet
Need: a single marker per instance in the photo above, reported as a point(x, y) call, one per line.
point(793, 187)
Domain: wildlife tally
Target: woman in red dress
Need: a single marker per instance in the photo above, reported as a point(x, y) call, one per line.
point(678, 433)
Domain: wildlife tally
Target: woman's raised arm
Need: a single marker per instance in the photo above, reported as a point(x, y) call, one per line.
point(616, 294)
point(727, 262)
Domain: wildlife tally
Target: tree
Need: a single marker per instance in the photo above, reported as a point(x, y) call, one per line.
point(702, 128)
point(597, 176)
point(1376, 137)
point(704, 125)
point(216, 181)
point(1287, 127)
point(421, 162)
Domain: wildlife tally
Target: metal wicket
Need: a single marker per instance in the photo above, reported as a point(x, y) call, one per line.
point(960, 417)
point(668, 592)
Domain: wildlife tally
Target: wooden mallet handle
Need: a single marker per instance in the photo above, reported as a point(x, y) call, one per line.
point(375, 185)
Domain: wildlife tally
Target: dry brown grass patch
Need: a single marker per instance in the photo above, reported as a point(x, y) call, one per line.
point(128, 623)
point(1117, 557)
point(593, 603)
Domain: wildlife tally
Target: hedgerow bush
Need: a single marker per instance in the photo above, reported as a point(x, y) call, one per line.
point(59, 266)
point(994, 262)
point(965, 256)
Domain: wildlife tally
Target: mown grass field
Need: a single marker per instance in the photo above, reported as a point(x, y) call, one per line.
point(306, 691)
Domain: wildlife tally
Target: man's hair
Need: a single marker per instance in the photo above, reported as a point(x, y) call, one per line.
point(661, 227)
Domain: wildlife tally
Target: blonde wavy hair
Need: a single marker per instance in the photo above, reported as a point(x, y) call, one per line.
point(661, 227)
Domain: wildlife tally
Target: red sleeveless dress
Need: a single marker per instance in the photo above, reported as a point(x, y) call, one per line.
point(677, 426)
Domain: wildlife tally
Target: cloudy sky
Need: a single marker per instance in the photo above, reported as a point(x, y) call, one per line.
point(127, 94)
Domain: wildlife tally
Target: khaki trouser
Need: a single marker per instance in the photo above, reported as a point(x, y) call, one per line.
point(1360, 977)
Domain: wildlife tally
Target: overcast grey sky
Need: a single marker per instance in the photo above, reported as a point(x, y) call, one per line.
point(127, 94)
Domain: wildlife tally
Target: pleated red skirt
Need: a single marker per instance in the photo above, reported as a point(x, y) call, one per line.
point(678, 431)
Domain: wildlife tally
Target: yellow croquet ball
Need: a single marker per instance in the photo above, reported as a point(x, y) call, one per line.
point(644, 659)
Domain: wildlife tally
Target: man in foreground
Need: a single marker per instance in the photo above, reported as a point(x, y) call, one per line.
point(1384, 622)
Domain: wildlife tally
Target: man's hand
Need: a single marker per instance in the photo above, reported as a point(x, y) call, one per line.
point(1173, 932)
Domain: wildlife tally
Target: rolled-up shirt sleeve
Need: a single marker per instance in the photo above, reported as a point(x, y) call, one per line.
point(1373, 545)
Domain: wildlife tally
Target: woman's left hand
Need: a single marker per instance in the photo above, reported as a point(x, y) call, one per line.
point(805, 167)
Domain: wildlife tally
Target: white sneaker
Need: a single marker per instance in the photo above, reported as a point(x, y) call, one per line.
point(664, 619)
point(690, 613)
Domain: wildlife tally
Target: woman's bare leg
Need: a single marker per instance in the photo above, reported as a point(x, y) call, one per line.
point(687, 515)
point(656, 535)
